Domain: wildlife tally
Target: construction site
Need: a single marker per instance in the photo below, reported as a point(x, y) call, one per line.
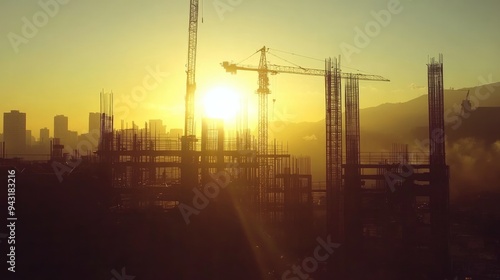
point(239, 205)
point(388, 214)
point(388, 211)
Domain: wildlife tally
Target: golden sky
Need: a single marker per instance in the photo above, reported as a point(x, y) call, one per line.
point(57, 58)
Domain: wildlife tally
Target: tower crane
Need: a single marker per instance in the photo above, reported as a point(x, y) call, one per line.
point(274, 69)
point(264, 69)
point(188, 158)
point(191, 69)
point(466, 105)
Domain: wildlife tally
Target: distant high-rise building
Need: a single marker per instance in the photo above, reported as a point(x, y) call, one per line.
point(28, 138)
point(71, 141)
point(44, 135)
point(94, 122)
point(14, 132)
point(156, 128)
point(175, 133)
point(1, 145)
point(61, 127)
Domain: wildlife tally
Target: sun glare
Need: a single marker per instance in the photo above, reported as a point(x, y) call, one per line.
point(221, 102)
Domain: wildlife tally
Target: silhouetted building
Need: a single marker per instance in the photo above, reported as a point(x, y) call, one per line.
point(175, 133)
point(14, 131)
point(42, 147)
point(44, 135)
point(61, 128)
point(94, 122)
point(29, 138)
point(71, 141)
point(157, 128)
point(56, 149)
point(1, 146)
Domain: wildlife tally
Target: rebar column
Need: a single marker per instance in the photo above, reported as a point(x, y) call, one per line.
point(439, 179)
point(352, 178)
point(333, 100)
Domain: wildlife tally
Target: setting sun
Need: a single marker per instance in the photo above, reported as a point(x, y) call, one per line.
point(221, 102)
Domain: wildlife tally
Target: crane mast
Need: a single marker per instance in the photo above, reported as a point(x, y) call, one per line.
point(333, 76)
point(189, 163)
point(263, 92)
point(191, 69)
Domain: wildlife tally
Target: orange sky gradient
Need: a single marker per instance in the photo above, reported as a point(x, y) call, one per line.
point(87, 46)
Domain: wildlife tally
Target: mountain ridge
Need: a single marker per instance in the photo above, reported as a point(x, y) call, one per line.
point(382, 125)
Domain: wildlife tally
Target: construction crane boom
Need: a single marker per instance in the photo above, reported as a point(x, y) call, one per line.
point(276, 69)
point(263, 91)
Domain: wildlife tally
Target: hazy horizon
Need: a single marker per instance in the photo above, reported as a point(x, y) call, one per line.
point(281, 116)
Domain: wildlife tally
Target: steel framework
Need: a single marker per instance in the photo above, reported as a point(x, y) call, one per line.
point(333, 105)
point(439, 199)
point(189, 171)
point(334, 151)
point(263, 92)
point(352, 120)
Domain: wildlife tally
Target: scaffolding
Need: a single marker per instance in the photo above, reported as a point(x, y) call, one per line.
point(379, 205)
point(146, 170)
point(352, 136)
point(396, 203)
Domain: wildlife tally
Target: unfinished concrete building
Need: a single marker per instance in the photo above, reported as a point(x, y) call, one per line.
point(393, 208)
